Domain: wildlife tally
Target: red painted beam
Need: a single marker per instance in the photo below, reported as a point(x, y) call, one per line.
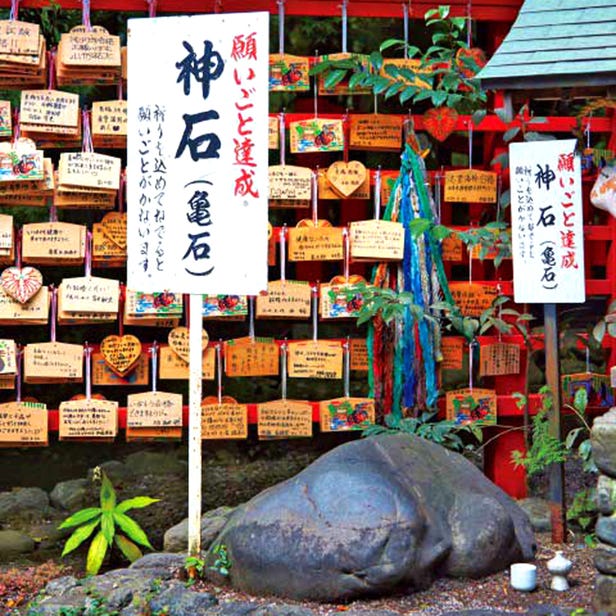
point(481, 10)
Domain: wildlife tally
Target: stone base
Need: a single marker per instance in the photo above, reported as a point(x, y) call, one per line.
point(605, 594)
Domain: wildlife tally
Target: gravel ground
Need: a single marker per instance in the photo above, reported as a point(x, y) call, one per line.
point(493, 592)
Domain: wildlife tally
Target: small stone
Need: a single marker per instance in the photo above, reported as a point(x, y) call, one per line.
point(177, 600)
point(538, 512)
point(212, 522)
point(24, 504)
point(605, 594)
point(606, 529)
point(70, 495)
point(60, 586)
point(161, 560)
point(605, 558)
point(13, 543)
point(603, 439)
point(606, 495)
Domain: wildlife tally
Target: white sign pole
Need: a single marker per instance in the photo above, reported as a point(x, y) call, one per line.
point(194, 424)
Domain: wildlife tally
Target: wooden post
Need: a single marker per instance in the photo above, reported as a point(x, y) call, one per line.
point(194, 424)
point(556, 470)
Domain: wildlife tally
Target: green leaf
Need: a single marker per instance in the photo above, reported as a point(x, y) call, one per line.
point(80, 517)
point(390, 43)
point(508, 135)
point(580, 400)
point(107, 526)
point(139, 502)
point(132, 529)
point(107, 494)
point(79, 536)
point(334, 78)
point(478, 116)
point(438, 97)
point(571, 437)
point(96, 554)
point(376, 60)
point(598, 331)
point(128, 548)
point(502, 114)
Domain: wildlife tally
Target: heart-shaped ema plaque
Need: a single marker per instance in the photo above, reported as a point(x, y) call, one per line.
point(440, 122)
point(114, 227)
point(121, 352)
point(346, 178)
point(21, 283)
point(179, 342)
point(308, 222)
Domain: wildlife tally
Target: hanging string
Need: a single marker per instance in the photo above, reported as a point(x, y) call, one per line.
point(587, 131)
point(51, 69)
point(53, 213)
point(346, 247)
point(152, 4)
point(88, 254)
point(315, 197)
point(347, 367)
point(437, 196)
point(19, 355)
point(53, 312)
point(283, 370)
point(154, 357)
point(282, 138)
point(18, 239)
point(121, 191)
point(346, 123)
point(588, 359)
point(88, 355)
point(470, 144)
point(377, 193)
point(500, 310)
point(344, 26)
point(469, 23)
point(471, 361)
point(85, 15)
point(469, 251)
point(283, 252)
point(405, 21)
point(16, 125)
point(251, 318)
point(499, 190)
point(120, 89)
point(315, 313)
point(14, 14)
point(86, 140)
point(315, 90)
point(219, 371)
point(280, 27)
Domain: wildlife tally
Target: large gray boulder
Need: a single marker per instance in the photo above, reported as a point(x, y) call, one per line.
point(23, 504)
point(370, 517)
point(212, 522)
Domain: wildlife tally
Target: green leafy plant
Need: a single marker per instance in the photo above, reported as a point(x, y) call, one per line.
point(109, 518)
point(194, 567)
point(222, 562)
point(428, 426)
point(583, 512)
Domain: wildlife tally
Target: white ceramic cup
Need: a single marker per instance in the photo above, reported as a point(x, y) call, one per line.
point(523, 576)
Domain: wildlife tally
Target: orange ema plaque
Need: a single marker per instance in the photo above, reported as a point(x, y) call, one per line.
point(284, 419)
point(224, 421)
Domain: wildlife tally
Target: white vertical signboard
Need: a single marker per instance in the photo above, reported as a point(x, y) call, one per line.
point(547, 233)
point(197, 177)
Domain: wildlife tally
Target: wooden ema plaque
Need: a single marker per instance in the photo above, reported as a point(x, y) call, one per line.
point(6, 121)
point(88, 420)
point(23, 424)
point(102, 374)
point(466, 406)
point(225, 307)
point(273, 134)
point(19, 37)
point(340, 299)
point(179, 341)
point(20, 162)
point(153, 414)
point(451, 248)
point(499, 358)
point(105, 252)
point(246, 357)
point(316, 135)
point(34, 312)
point(8, 357)
point(90, 170)
point(321, 243)
point(284, 419)
point(342, 87)
point(172, 366)
point(121, 353)
point(285, 299)
point(470, 186)
point(315, 359)
point(376, 240)
point(36, 193)
point(109, 124)
point(153, 309)
point(372, 131)
point(7, 239)
point(452, 350)
point(473, 298)
point(53, 362)
point(49, 111)
point(288, 73)
point(7, 381)
point(225, 420)
point(89, 294)
point(53, 243)
point(407, 71)
point(388, 181)
point(598, 388)
point(290, 182)
point(358, 354)
point(328, 192)
point(347, 178)
point(344, 414)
